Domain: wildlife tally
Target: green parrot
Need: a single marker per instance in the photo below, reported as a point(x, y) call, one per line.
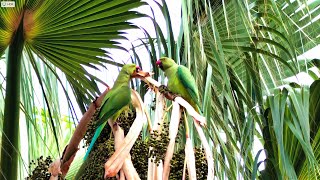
point(180, 81)
point(115, 101)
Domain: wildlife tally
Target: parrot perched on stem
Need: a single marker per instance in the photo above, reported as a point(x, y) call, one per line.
point(115, 101)
point(180, 81)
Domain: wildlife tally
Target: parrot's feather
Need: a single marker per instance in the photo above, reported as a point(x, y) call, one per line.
point(120, 98)
point(188, 82)
point(95, 137)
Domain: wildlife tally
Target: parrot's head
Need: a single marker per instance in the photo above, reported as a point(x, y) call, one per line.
point(165, 63)
point(131, 69)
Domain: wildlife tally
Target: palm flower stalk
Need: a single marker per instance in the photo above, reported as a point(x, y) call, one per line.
point(55, 170)
point(189, 154)
point(115, 162)
point(155, 168)
point(173, 131)
point(190, 159)
point(128, 169)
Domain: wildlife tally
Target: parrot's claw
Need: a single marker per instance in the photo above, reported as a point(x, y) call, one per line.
point(163, 89)
point(151, 86)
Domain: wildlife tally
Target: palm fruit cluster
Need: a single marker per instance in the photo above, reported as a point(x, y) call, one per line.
point(102, 149)
point(201, 163)
point(159, 144)
point(104, 146)
point(177, 163)
point(139, 157)
point(40, 169)
point(94, 168)
point(104, 136)
point(126, 119)
point(153, 104)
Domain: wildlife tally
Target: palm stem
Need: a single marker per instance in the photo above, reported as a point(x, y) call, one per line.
point(186, 124)
point(10, 137)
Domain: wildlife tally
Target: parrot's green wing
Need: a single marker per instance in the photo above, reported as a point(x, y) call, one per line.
point(118, 98)
point(113, 103)
point(185, 77)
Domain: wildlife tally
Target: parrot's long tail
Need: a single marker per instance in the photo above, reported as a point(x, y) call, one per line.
point(94, 139)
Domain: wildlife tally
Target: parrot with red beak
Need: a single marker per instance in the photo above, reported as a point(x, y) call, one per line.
point(116, 100)
point(180, 81)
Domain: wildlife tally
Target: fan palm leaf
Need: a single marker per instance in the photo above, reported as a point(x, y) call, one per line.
point(68, 35)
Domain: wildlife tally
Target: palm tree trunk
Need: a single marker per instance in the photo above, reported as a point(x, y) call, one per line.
point(10, 136)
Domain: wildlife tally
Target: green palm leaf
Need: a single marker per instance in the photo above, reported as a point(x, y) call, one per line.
point(251, 48)
point(68, 35)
